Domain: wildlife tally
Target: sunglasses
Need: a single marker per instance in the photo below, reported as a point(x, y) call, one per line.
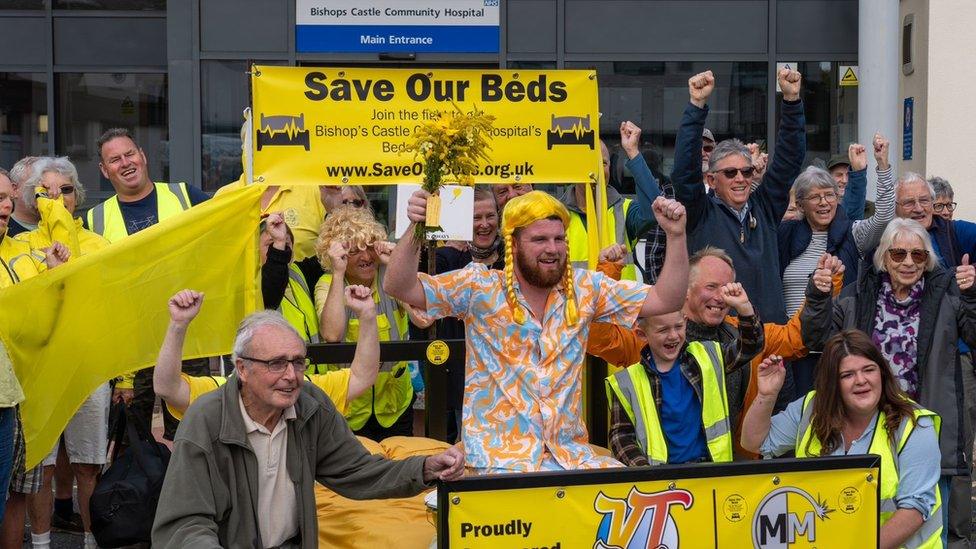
point(918, 256)
point(708, 148)
point(68, 189)
point(729, 173)
point(357, 202)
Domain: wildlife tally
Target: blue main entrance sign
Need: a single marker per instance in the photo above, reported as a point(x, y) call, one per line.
point(386, 26)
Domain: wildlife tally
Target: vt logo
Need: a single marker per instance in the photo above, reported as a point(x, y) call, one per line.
point(641, 520)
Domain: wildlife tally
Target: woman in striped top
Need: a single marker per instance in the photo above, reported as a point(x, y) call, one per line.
point(825, 228)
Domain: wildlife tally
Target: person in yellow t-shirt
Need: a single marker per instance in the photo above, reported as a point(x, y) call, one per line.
point(179, 390)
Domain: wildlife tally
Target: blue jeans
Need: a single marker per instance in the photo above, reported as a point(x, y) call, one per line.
point(7, 418)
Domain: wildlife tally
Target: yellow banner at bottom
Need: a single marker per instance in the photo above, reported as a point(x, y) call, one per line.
point(787, 505)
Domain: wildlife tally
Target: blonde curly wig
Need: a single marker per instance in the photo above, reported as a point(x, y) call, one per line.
point(347, 224)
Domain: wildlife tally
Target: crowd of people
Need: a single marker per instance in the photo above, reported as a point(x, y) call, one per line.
point(748, 305)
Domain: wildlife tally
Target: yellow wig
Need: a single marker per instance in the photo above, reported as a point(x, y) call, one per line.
point(523, 211)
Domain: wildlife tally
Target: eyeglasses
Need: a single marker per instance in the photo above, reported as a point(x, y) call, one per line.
point(829, 198)
point(70, 189)
point(357, 202)
point(708, 148)
point(918, 256)
point(729, 173)
point(278, 365)
point(923, 202)
point(947, 206)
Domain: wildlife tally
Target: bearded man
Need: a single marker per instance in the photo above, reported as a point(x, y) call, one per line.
point(526, 330)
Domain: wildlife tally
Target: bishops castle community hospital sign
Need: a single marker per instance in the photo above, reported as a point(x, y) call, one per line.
point(397, 26)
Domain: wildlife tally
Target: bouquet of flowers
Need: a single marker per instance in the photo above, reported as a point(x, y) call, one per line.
point(452, 147)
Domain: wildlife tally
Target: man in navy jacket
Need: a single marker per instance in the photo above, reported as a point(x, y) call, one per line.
point(731, 216)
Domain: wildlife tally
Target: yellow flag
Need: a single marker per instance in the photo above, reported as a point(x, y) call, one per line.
point(70, 329)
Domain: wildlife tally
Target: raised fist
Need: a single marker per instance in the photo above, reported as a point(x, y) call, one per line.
point(700, 87)
point(670, 216)
point(881, 151)
point(630, 139)
point(338, 256)
point(185, 306)
point(614, 253)
point(735, 296)
point(359, 299)
point(789, 82)
point(858, 156)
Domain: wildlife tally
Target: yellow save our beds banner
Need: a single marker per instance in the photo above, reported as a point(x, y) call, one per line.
point(325, 126)
point(813, 509)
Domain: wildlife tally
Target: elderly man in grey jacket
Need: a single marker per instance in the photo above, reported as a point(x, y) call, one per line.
point(246, 455)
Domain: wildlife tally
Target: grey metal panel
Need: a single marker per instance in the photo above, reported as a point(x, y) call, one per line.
point(24, 40)
point(244, 25)
point(817, 26)
point(531, 26)
point(182, 92)
point(666, 26)
point(110, 41)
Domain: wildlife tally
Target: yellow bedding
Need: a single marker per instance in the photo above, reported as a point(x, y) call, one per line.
point(378, 523)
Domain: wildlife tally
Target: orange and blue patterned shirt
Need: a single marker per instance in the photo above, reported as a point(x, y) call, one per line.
point(523, 385)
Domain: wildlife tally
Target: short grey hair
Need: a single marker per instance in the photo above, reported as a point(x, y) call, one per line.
point(60, 165)
point(941, 187)
point(708, 251)
point(811, 179)
point(903, 227)
point(20, 171)
point(912, 177)
point(252, 323)
point(726, 148)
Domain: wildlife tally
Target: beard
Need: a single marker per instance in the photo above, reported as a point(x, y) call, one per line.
point(535, 275)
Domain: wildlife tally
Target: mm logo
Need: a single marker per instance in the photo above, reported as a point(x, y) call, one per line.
point(640, 520)
point(282, 130)
point(787, 517)
point(570, 130)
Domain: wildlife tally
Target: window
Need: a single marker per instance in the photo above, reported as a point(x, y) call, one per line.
point(90, 103)
point(224, 95)
point(129, 5)
point(831, 110)
point(23, 116)
point(653, 95)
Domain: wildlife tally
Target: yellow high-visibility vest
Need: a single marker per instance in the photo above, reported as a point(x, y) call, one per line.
point(616, 221)
point(390, 396)
point(633, 390)
point(929, 536)
point(297, 306)
point(106, 218)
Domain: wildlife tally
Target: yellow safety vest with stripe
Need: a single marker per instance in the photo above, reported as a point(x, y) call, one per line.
point(390, 396)
point(106, 218)
point(616, 223)
point(633, 390)
point(297, 306)
point(929, 536)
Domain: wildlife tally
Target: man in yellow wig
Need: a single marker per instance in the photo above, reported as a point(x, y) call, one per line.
point(527, 327)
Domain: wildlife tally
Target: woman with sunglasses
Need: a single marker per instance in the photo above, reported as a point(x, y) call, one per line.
point(857, 408)
point(915, 312)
